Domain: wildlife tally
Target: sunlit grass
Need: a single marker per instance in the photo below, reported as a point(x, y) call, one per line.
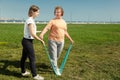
point(94, 56)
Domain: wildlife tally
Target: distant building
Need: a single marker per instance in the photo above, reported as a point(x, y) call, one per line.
point(5, 20)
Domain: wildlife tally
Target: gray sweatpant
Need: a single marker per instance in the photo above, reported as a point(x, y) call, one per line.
point(55, 49)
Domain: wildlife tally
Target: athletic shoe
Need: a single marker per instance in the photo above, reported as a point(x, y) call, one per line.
point(38, 77)
point(58, 72)
point(26, 73)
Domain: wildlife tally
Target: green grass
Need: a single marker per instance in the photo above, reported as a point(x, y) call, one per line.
point(94, 56)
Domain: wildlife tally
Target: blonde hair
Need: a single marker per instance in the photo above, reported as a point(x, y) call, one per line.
point(58, 7)
point(32, 9)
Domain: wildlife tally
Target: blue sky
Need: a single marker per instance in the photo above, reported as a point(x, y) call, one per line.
point(75, 10)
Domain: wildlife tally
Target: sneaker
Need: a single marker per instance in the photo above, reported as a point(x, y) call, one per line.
point(58, 72)
point(26, 73)
point(38, 77)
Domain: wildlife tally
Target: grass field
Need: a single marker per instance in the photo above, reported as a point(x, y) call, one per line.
point(94, 56)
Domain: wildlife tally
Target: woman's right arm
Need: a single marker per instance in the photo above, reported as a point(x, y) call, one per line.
point(33, 33)
point(43, 32)
point(48, 26)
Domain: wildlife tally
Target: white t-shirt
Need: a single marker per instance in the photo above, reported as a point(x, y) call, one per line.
point(27, 34)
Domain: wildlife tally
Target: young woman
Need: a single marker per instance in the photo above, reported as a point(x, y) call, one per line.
point(27, 43)
point(58, 29)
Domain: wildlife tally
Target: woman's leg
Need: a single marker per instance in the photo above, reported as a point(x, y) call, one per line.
point(60, 46)
point(31, 56)
point(53, 51)
point(28, 51)
point(24, 57)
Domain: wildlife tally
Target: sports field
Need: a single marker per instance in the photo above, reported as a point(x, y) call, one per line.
point(94, 56)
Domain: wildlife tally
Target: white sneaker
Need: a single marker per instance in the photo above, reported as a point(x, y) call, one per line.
point(58, 72)
point(26, 73)
point(38, 77)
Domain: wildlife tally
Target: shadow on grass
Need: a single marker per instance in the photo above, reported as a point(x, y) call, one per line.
point(115, 77)
point(6, 68)
point(43, 68)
